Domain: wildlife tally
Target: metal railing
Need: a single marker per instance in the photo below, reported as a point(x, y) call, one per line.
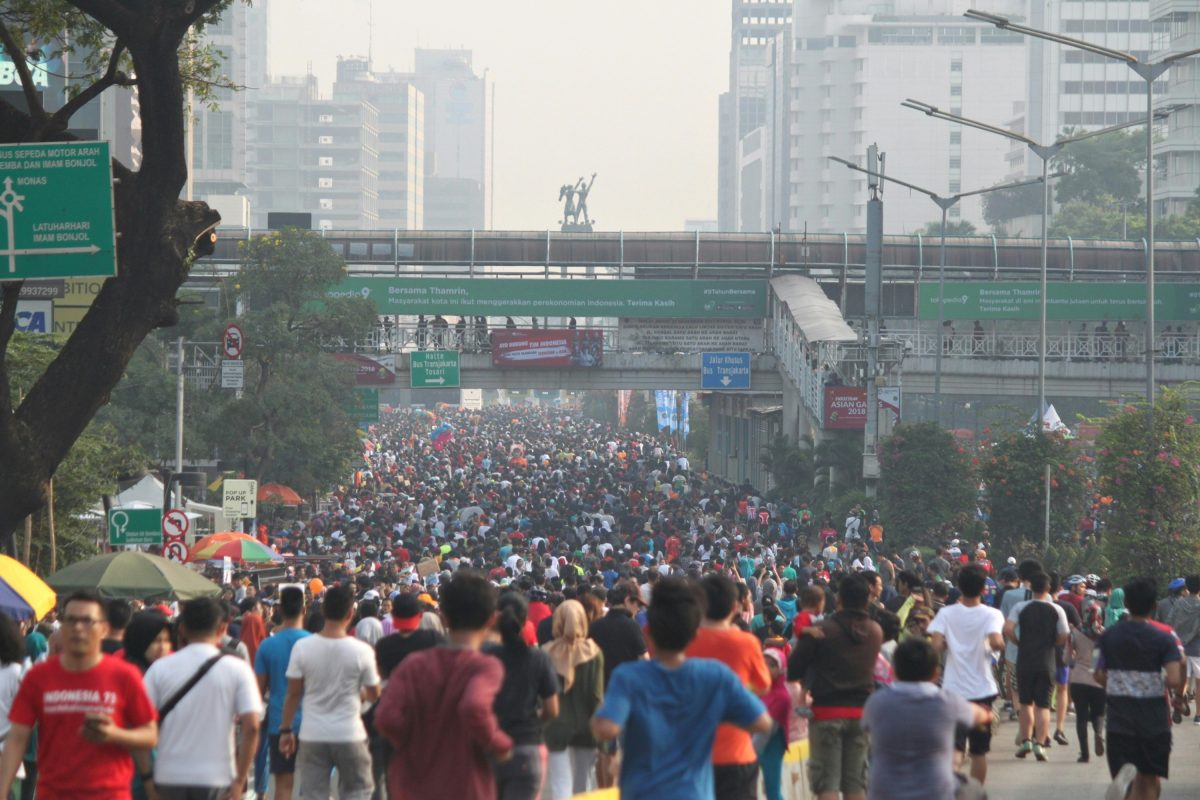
point(472, 339)
point(1062, 346)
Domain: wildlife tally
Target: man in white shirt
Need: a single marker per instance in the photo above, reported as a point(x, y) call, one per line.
point(970, 632)
point(332, 673)
point(196, 751)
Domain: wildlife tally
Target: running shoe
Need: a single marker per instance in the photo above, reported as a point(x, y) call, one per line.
point(1039, 752)
point(1025, 749)
point(1083, 759)
point(1061, 738)
point(1119, 788)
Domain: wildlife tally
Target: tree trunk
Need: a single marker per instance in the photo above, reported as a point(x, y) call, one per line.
point(53, 532)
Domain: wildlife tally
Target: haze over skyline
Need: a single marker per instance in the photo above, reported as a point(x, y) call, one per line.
point(626, 89)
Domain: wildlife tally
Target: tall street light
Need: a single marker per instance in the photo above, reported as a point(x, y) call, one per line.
point(945, 203)
point(1045, 152)
point(1148, 71)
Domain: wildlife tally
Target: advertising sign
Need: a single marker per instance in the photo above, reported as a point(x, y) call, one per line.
point(35, 316)
point(738, 299)
point(692, 335)
point(846, 406)
point(240, 499)
point(370, 371)
point(1021, 300)
point(57, 211)
point(547, 348)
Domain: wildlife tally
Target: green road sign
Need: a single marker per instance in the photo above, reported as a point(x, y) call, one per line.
point(134, 526)
point(1021, 300)
point(560, 298)
point(364, 405)
point(56, 211)
point(433, 369)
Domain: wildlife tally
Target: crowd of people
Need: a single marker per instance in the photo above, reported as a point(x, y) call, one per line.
point(537, 604)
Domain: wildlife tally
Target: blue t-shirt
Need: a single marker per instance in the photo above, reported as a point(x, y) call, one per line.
point(272, 661)
point(667, 730)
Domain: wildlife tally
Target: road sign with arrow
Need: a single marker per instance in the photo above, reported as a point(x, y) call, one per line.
point(56, 211)
point(433, 369)
point(724, 371)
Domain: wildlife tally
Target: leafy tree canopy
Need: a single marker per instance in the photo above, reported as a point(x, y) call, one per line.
point(926, 482)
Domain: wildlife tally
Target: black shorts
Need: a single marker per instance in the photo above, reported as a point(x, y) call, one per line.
point(735, 781)
point(280, 764)
point(1150, 754)
point(978, 741)
point(1034, 687)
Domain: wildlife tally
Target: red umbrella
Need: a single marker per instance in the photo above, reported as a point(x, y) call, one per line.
point(278, 493)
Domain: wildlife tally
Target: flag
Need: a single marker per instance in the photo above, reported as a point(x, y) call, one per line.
point(441, 436)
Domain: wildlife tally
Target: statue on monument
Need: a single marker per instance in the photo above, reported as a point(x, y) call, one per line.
point(574, 198)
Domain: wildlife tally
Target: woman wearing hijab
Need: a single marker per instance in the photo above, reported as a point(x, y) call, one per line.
point(147, 639)
point(580, 666)
point(778, 700)
point(1115, 612)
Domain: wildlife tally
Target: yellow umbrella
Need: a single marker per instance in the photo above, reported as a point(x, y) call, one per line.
point(23, 595)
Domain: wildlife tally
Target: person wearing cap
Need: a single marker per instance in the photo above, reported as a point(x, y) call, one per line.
point(1176, 589)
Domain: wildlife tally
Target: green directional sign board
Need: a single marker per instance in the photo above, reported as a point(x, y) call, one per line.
point(134, 526)
point(364, 405)
point(433, 369)
point(56, 211)
point(1021, 300)
point(561, 298)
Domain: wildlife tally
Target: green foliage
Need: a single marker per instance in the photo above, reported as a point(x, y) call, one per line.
point(1006, 205)
point(1106, 166)
point(1069, 558)
point(1103, 219)
point(1013, 468)
point(600, 406)
point(926, 482)
point(791, 468)
point(642, 416)
point(837, 460)
point(1148, 461)
point(959, 228)
point(699, 432)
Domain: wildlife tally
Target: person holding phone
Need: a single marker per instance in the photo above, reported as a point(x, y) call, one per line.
point(90, 709)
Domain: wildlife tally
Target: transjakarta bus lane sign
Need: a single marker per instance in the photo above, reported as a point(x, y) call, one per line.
point(56, 211)
point(724, 371)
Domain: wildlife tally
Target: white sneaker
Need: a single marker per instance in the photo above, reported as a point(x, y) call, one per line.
point(1119, 788)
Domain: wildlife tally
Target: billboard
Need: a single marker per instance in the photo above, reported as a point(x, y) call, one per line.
point(377, 371)
point(738, 299)
point(1021, 300)
point(846, 406)
point(693, 335)
point(547, 348)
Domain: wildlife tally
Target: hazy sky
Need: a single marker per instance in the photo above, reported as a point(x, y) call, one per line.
point(624, 88)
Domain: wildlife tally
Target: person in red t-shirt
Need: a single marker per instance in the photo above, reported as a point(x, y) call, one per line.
point(90, 709)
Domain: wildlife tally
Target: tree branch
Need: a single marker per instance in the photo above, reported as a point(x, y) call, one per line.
point(21, 63)
point(111, 77)
point(112, 14)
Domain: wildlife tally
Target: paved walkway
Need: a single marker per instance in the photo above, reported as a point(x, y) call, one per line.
point(1061, 778)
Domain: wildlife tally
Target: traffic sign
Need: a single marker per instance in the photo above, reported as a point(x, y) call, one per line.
point(56, 211)
point(724, 371)
point(433, 369)
point(240, 499)
point(233, 374)
point(176, 551)
point(233, 343)
point(175, 524)
point(134, 526)
point(363, 405)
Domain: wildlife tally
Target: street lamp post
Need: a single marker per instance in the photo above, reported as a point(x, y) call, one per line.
point(1045, 152)
point(945, 203)
point(1148, 71)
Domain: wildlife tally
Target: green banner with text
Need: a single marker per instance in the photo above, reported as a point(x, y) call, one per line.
point(1021, 300)
point(560, 298)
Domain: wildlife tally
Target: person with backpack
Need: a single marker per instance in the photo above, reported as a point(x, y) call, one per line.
point(203, 695)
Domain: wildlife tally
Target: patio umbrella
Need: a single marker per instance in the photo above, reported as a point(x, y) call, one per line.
point(278, 493)
point(238, 546)
point(132, 574)
point(23, 595)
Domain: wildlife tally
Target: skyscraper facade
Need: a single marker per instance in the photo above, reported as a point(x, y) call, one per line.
point(1177, 152)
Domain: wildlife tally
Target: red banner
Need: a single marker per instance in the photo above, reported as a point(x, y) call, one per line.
point(547, 348)
point(370, 371)
point(845, 408)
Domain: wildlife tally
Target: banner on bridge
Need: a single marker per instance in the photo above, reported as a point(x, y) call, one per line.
point(547, 348)
point(560, 298)
point(1021, 300)
point(370, 371)
point(846, 406)
point(694, 335)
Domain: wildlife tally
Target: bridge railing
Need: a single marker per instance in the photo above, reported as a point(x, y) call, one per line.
point(1063, 346)
point(473, 339)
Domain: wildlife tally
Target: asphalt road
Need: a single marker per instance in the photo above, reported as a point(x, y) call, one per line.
point(1060, 778)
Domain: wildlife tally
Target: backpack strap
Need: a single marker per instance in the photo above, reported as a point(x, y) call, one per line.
point(169, 706)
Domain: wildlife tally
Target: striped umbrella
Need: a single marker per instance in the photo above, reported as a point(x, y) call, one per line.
point(238, 546)
point(23, 595)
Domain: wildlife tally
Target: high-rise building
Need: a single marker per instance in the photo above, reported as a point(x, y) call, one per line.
point(308, 154)
point(759, 60)
point(1177, 152)
point(401, 108)
point(855, 62)
point(458, 140)
point(218, 140)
